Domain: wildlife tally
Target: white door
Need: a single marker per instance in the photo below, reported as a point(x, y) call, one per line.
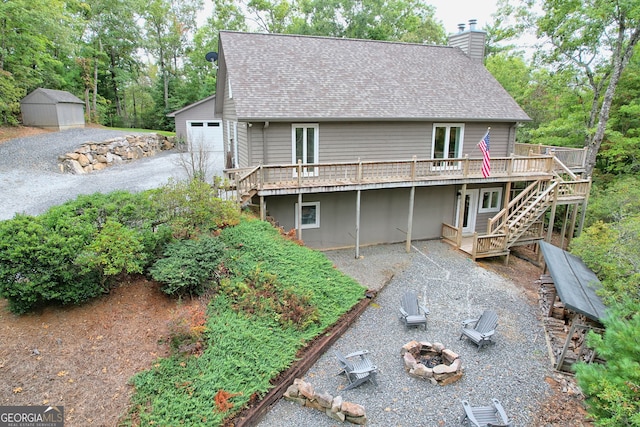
point(470, 210)
point(205, 136)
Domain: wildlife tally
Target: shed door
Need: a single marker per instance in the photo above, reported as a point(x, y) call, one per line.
point(206, 136)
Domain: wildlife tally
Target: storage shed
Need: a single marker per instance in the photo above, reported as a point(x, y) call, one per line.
point(573, 288)
point(201, 127)
point(52, 109)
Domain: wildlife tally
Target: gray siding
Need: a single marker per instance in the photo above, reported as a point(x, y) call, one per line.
point(53, 116)
point(203, 111)
point(343, 142)
point(384, 216)
point(70, 116)
point(471, 42)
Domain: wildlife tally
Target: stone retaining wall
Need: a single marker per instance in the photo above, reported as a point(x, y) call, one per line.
point(95, 156)
point(303, 393)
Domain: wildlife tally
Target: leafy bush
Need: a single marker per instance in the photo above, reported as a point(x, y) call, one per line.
point(37, 263)
point(114, 250)
point(189, 266)
point(193, 207)
point(613, 389)
point(66, 254)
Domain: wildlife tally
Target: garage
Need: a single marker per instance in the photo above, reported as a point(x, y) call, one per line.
point(205, 136)
point(198, 125)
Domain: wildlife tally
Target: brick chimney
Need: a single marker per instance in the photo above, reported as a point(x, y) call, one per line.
point(471, 42)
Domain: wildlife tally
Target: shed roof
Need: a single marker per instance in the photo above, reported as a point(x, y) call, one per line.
point(575, 283)
point(52, 95)
point(292, 77)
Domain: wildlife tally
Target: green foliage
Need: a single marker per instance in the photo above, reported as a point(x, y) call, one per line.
point(189, 266)
point(610, 245)
point(256, 246)
point(116, 249)
point(262, 295)
point(193, 207)
point(10, 96)
point(613, 388)
point(37, 262)
point(66, 254)
point(242, 353)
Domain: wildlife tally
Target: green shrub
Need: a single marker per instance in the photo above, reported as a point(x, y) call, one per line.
point(613, 389)
point(37, 263)
point(189, 266)
point(116, 249)
point(66, 254)
point(193, 207)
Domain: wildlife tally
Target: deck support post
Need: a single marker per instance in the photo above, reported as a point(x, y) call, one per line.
point(584, 210)
point(461, 202)
point(263, 209)
point(412, 196)
point(552, 218)
point(299, 213)
point(572, 227)
point(358, 224)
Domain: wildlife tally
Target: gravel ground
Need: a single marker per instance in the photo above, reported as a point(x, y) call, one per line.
point(30, 181)
point(454, 288)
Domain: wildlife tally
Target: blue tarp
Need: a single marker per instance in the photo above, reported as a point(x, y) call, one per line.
point(575, 283)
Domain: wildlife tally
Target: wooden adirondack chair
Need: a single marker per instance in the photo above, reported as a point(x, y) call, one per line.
point(412, 313)
point(480, 330)
point(357, 367)
point(481, 416)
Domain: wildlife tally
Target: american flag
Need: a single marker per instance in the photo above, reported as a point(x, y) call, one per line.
point(486, 159)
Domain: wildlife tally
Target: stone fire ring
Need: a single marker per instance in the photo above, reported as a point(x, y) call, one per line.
point(447, 372)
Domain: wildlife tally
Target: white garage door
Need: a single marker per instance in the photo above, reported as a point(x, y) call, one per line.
point(206, 135)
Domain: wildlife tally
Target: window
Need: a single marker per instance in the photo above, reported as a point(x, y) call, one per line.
point(490, 199)
point(310, 215)
point(305, 146)
point(447, 143)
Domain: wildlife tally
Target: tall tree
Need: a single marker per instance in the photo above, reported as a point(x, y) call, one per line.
point(169, 25)
point(112, 36)
point(595, 37)
point(37, 39)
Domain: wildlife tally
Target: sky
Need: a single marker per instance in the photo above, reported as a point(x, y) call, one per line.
point(449, 12)
point(454, 12)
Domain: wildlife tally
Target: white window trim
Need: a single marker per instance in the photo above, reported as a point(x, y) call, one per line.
point(314, 225)
point(483, 191)
point(447, 165)
point(316, 148)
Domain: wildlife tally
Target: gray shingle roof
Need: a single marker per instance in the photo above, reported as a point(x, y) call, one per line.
point(55, 96)
point(290, 77)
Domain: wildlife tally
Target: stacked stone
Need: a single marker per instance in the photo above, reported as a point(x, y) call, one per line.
point(445, 373)
point(303, 393)
point(95, 156)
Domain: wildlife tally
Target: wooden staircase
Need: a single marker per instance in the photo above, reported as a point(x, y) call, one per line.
point(522, 220)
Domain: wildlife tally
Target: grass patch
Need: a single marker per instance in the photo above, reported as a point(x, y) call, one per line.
point(245, 349)
point(159, 132)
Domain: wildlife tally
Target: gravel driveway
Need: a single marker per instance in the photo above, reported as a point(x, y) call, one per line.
point(454, 288)
point(30, 181)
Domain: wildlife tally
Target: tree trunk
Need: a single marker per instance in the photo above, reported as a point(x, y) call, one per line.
point(621, 58)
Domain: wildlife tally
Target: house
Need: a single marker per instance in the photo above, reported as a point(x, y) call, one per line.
point(199, 126)
point(52, 109)
point(360, 142)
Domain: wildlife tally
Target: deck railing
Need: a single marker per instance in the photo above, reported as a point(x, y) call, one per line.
point(373, 172)
point(572, 157)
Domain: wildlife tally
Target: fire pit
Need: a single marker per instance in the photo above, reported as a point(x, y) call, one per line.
point(431, 362)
